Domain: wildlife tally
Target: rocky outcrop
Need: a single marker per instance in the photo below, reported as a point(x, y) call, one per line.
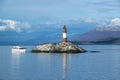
point(64, 47)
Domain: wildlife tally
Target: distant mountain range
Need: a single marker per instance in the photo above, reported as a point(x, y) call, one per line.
point(99, 36)
point(39, 33)
point(78, 31)
point(91, 37)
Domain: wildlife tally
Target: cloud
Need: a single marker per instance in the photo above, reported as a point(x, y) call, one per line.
point(105, 5)
point(58, 8)
point(2, 28)
point(89, 20)
point(115, 22)
point(104, 2)
point(7, 24)
point(109, 25)
point(110, 22)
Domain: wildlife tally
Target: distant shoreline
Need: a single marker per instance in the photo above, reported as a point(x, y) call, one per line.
point(55, 43)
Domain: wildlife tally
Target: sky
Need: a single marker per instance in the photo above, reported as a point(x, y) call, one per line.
point(49, 16)
point(18, 15)
point(61, 9)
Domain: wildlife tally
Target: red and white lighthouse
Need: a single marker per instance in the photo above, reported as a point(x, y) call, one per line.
point(64, 34)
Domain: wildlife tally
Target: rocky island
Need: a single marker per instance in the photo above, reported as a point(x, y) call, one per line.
point(63, 47)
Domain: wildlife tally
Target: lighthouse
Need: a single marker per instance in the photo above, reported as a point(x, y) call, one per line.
point(64, 34)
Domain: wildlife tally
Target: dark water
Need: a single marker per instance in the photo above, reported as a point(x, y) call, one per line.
point(104, 65)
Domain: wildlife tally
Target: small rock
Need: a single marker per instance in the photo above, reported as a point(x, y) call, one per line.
point(46, 47)
point(94, 51)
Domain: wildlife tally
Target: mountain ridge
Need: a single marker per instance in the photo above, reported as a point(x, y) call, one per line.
point(96, 36)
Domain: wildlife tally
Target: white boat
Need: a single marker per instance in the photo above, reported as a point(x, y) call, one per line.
point(18, 49)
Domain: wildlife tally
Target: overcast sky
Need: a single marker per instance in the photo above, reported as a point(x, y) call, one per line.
point(68, 9)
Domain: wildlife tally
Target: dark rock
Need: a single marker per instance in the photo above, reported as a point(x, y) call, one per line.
point(94, 51)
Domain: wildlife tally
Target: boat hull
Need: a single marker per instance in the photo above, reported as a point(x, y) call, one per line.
point(18, 50)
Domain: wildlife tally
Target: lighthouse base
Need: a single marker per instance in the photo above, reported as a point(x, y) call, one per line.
point(64, 39)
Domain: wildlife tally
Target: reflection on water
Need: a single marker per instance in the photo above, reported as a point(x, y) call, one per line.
point(64, 66)
point(50, 66)
point(17, 52)
point(15, 66)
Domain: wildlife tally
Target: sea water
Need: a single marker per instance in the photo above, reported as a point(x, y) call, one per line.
point(102, 65)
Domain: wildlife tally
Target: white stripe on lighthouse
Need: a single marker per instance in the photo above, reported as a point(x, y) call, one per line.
point(64, 35)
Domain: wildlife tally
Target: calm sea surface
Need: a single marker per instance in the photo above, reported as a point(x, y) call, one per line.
point(104, 65)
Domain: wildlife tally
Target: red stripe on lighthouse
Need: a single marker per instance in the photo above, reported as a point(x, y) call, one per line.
point(64, 34)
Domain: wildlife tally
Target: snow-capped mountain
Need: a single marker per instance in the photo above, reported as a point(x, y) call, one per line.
point(109, 33)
